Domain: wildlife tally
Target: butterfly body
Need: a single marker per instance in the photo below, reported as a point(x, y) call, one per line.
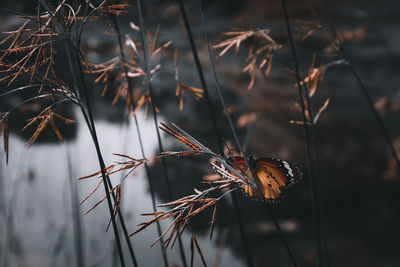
point(267, 178)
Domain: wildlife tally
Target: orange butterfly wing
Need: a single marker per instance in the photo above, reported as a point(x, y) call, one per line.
point(271, 176)
point(277, 174)
point(239, 164)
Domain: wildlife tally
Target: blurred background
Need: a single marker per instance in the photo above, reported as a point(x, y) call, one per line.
point(359, 177)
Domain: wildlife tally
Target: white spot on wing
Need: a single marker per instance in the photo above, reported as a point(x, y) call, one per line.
point(287, 166)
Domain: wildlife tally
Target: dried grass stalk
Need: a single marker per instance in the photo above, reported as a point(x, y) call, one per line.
point(260, 52)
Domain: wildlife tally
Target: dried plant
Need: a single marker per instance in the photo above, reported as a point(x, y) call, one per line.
point(246, 119)
point(33, 46)
point(311, 81)
point(315, 27)
point(30, 54)
point(385, 105)
point(183, 209)
point(112, 73)
point(45, 118)
point(105, 9)
point(131, 164)
point(181, 88)
point(308, 27)
point(260, 52)
point(194, 243)
point(4, 132)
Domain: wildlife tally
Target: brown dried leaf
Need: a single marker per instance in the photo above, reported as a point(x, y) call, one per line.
point(300, 122)
point(55, 129)
point(115, 9)
point(156, 36)
point(324, 106)
point(176, 64)
point(158, 50)
point(97, 173)
point(4, 131)
point(269, 67)
point(246, 119)
point(116, 206)
point(179, 137)
point(45, 117)
point(191, 251)
point(17, 34)
point(383, 105)
point(92, 192)
point(181, 88)
point(214, 217)
point(100, 201)
point(210, 203)
point(140, 103)
point(199, 251)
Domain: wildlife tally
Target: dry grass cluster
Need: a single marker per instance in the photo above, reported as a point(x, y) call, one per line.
point(30, 56)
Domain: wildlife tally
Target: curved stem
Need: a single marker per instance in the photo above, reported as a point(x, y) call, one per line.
point(235, 203)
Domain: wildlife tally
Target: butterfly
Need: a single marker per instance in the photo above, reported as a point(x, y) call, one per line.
point(268, 177)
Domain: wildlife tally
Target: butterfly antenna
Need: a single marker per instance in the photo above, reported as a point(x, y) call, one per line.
point(227, 147)
point(247, 137)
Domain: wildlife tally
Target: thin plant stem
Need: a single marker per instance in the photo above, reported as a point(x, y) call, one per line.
point(106, 180)
point(239, 218)
point(3, 213)
point(153, 104)
point(9, 220)
point(231, 124)
point(216, 130)
point(312, 163)
point(123, 226)
point(363, 88)
point(218, 87)
point(368, 98)
point(130, 88)
point(151, 187)
point(201, 75)
point(282, 236)
point(61, 237)
point(77, 227)
point(103, 174)
point(116, 27)
point(90, 123)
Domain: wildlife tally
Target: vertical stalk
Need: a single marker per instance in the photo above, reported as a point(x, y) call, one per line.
point(130, 88)
point(3, 212)
point(201, 76)
point(90, 123)
point(77, 226)
point(216, 130)
point(102, 168)
point(153, 104)
point(310, 148)
point(153, 198)
point(233, 128)
point(107, 181)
